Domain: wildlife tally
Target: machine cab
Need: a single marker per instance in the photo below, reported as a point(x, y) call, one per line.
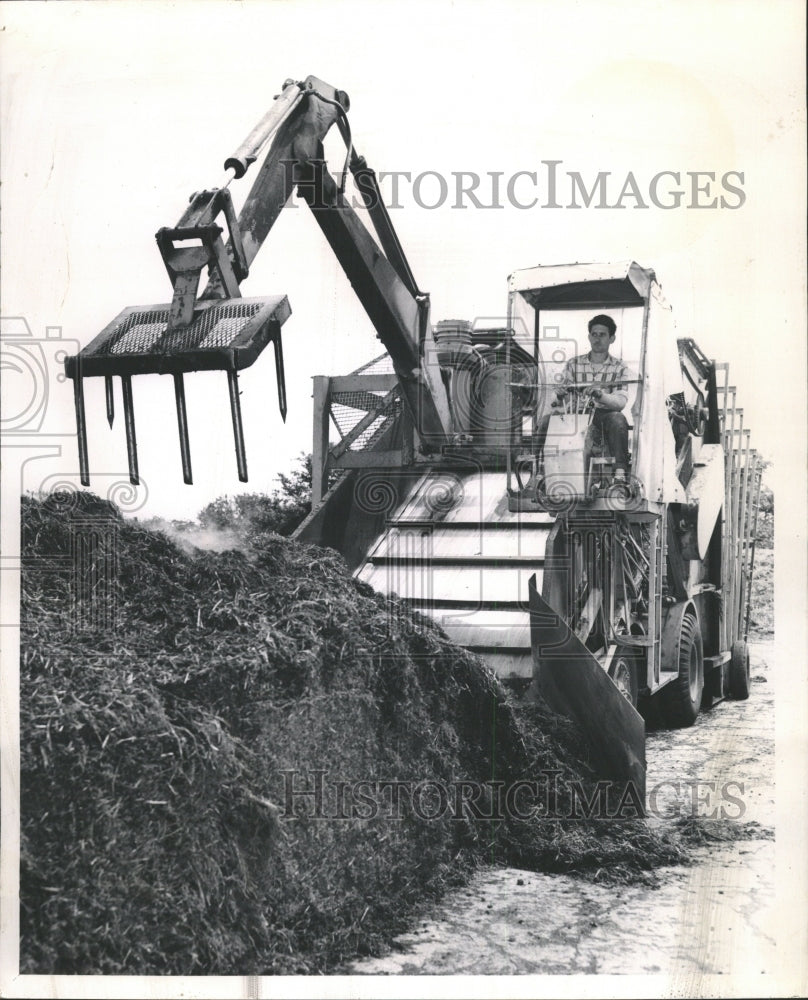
point(560, 454)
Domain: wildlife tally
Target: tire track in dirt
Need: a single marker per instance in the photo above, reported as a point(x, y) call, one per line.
point(711, 919)
point(707, 914)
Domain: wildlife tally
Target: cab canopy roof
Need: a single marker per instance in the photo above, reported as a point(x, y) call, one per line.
point(569, 286)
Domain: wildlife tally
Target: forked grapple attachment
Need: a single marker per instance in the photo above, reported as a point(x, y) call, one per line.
point(218, 329)
point(226, 334)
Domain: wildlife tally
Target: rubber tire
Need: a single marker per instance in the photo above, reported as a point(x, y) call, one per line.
point(623, 671)
point(682, 698)
point(739, 671)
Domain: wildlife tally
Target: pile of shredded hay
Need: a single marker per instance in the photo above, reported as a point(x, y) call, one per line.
point(171, 700)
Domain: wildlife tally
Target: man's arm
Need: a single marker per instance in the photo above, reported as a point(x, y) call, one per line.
point(615, 400)
point(563, 388)
point(613, 395)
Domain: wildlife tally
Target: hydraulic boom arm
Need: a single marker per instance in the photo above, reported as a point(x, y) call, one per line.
point(219, 329)
point(382, 281)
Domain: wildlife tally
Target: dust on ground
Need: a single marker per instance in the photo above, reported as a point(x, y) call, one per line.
point(714, 784)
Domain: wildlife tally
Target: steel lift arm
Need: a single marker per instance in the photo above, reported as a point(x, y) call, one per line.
point(219, 329)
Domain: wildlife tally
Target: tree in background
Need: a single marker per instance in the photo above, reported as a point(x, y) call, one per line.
point(765, 521)
point(250, 514)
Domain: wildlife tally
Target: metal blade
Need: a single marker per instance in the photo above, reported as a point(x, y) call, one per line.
point(573, 683)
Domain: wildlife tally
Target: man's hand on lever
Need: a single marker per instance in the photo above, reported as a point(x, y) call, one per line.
point(561, 393)
point(615, 401)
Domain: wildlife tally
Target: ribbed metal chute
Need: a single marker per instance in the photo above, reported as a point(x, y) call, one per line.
point(455, 552)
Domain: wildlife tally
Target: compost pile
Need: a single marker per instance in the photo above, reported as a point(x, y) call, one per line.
point(175, 704)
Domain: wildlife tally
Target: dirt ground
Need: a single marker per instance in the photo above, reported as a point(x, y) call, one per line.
point(714, 918)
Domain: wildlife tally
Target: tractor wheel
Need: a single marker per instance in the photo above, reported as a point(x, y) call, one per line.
point(682, 698)
point(624, 674)
point(739, 671)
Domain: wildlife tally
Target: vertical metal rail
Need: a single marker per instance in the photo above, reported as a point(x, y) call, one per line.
point(110, 399)
point(753, 531)
point(238, 429)
point(534, 416)
point(742, 472)
point(735, 551)
point(732, 568)
point(639, 399)
point(726, 568)
point(319, 452)
point(182, 425)
point(280, 375)
point(662, 562)
point(747, 534)
point(512, 433)
point(729, 579)
point(81, 428)
point(723, 367)
point(656, 559)
point(407, 436)
point(743, 524)
point(611, 544)
point(129, 421)
point(740, 575)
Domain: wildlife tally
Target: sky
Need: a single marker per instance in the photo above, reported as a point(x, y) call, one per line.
point(114, 113)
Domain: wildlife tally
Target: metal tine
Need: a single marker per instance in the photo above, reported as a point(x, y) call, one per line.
point(280, 374)
point(182, 424)
point(81, 428)
point(129, 421)
point(110, 399)
point(238, 430)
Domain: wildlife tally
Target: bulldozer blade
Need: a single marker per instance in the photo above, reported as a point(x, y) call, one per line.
point(573, 684)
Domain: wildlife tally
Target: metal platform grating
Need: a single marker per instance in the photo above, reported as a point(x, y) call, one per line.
point(346, 414)
point(224, 334)
point(348, 408)
point(383, 365)
point(144, 331)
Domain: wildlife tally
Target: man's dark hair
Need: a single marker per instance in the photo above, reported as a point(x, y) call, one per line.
point(603, 320)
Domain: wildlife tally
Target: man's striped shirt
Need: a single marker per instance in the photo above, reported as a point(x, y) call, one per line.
point(581, 369)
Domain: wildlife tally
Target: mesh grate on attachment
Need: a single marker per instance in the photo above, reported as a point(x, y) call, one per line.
point(138, 333)
point(144, 331)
